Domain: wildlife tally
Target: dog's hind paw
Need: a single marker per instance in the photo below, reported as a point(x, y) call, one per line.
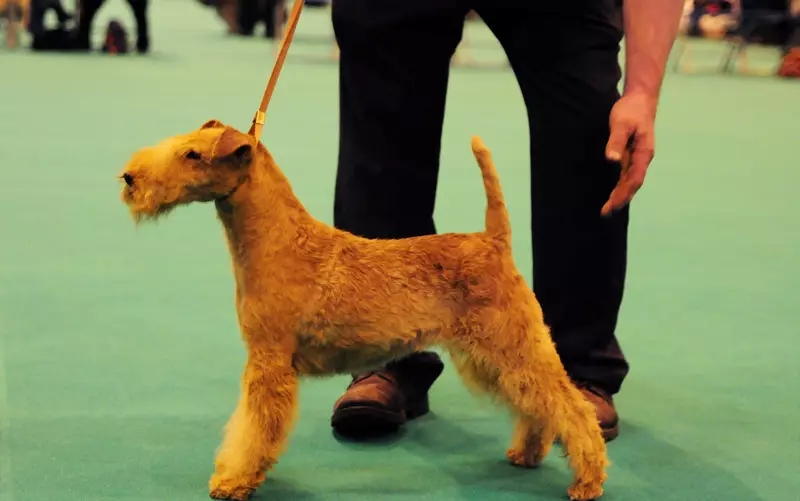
point(584, 492)
point(229, 490)
point(236, 494)
point(523, 460)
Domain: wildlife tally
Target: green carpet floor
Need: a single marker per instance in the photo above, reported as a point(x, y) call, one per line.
point(119, 352)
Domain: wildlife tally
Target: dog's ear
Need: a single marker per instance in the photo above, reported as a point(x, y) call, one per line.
point(233, 148)
point(212, 123)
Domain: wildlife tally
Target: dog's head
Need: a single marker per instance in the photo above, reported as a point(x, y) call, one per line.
point(207, 164)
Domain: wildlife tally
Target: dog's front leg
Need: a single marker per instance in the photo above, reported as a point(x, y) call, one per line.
point(256, 432)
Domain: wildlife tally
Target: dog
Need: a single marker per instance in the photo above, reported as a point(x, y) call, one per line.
point(313, 300)
point(14, 15)
point(227, 10)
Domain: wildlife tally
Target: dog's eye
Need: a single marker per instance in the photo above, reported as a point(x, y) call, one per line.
point(193, 155)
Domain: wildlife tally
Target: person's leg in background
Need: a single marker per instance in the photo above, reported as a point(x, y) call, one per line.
point(61, 13)
point(269, 15)
point(57, 39)
point(394, 67)
point(86, 14)
point(139, 8)
point(37, 9)
point(247, 15)
point(565, 56)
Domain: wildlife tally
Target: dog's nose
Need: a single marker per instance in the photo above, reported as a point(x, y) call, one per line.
point(128, 179)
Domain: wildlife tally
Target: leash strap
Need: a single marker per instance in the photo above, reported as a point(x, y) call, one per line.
point(261, 114)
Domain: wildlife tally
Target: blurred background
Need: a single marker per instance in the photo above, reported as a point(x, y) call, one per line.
point(119, 349)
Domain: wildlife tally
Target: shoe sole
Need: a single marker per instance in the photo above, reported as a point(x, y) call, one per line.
point(610, 433)
point(366, 417)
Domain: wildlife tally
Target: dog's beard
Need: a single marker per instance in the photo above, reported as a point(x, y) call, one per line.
point(147, 206)
point(141, 215)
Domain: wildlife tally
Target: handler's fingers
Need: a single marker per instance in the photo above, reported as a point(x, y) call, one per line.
point(621, 132)
point(634, 169)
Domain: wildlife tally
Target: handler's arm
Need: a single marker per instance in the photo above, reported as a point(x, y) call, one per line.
point(650, 30)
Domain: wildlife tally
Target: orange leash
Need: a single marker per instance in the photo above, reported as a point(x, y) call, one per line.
point(261, 114)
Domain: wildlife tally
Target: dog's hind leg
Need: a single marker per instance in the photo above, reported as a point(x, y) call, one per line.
point(534, 382)
point(255, 434)
point(532, 438)
point(531, 442)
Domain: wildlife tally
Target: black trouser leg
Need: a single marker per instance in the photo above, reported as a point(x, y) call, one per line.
point(566, 60)
point(139, 8)
point(88, 11)
point(247, 15)
point(61, 13)
point(394, 67)
point(36, 17)
point(793, 42)
point(268, 15)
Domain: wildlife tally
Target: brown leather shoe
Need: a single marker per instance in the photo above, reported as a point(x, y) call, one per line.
point(604, 406)
point(380, 402)
point(372, 405)
point(790, 65)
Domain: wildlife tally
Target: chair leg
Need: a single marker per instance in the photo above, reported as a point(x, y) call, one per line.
point(741, 63)
point(682, 47)
point(462, 55)
point(733, 48)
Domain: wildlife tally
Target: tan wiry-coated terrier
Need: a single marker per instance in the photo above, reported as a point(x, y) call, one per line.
point(313, 300)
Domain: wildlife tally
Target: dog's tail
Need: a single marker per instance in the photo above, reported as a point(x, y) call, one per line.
point(497, 221)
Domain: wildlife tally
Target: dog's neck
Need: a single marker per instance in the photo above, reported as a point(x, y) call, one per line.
point(262, 219)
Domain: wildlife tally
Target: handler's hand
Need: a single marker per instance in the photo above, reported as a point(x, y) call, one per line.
point(631, 142)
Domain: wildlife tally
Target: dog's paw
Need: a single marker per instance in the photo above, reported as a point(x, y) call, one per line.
point(585, 492)
point(226, 488)
point(523, 460)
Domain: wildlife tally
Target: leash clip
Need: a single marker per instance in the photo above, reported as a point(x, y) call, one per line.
point(260, 117)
